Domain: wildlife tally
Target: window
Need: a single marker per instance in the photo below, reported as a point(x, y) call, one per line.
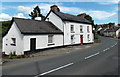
point(88, 29)
point(50, 38)
point(72, 28)
point(88, 36)
point(13, 41)
point(81, 29)
point(72, 39)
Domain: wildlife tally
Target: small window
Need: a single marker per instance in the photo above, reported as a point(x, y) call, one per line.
point(72, 39)
point(13, 41)
point(81, 29)
point(88, 36)
point(72, 28)
point(50, 38)
point(88, 29)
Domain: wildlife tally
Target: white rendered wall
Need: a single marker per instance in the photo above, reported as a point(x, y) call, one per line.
point(55, 20)
point(13, 33)
point(67, 33)
point(42, 41)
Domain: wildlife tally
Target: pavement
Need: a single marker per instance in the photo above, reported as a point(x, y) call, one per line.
point(99, 59)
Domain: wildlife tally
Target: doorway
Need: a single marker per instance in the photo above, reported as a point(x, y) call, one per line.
point(81, 39)
point(32, 44)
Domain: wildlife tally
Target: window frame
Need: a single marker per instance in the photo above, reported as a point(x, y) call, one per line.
point(88, 29)
point(81, 29)
point(72, 28)
point(13, 41)
point(50, 40)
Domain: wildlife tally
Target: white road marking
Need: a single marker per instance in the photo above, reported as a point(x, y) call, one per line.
point(92, 55)
point(55, 69)
point(73, 63)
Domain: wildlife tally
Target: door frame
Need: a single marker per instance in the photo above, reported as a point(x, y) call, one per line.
point(81, 39)
point(32, 44)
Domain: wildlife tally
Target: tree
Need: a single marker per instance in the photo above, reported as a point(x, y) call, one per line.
point(36, 13)
point(88, 17)
point(5, 27)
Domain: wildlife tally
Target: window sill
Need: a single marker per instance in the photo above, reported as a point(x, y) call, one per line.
point(50, 44)
point(13, 44)
point(72, 32)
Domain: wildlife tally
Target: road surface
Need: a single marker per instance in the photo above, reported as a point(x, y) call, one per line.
point(98, 60)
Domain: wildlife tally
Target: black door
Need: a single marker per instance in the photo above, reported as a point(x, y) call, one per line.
point(32, 44)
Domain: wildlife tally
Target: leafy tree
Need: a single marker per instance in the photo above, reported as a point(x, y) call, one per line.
point(5, 26)
point(88, 17)
point(36, 13)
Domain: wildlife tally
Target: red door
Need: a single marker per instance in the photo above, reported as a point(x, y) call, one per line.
point(81, 39)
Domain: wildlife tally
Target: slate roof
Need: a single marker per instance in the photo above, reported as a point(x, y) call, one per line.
point(29, 26)
point(112, 29)
point(69, 17)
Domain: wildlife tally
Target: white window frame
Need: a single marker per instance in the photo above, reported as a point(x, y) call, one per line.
point(88, 29)
point(13, 41)
point(72, 28)
point(81, 29)
point(50, 39)
point(72, 39)
point(88, 37)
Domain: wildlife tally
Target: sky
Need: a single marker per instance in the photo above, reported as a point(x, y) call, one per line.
point(101, 12)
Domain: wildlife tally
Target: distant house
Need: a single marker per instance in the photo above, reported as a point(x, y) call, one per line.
point(113, 32)
point(58, 29)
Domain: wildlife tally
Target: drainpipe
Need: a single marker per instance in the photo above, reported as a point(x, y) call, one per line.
point(63, 33)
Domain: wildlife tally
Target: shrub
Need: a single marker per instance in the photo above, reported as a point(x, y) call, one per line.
point(10, 55)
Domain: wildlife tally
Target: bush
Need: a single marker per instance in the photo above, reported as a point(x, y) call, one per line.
point(96, 37)
point(10, 55)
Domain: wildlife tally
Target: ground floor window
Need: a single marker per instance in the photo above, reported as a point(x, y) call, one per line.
point(88, 36)
point(72, 39)
point(50, 38)
point(13, 41)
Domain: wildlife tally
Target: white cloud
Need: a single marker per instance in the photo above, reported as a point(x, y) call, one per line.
point(45, 7)
point(19, 15)
point(101, 15)
point(4, 16)
point(24, 9)
point(109, 2)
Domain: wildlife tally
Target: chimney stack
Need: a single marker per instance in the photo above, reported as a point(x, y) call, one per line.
point(55, 8)
point(82, 15)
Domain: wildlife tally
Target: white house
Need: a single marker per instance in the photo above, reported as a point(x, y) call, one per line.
point(31, 35)
point(58, 29)
point(113, 32)
point(76, 29)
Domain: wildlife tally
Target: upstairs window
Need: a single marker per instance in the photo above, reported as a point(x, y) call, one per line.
point(13, 41)
point(81, 29)
point(72, 28)
point(88, 29)
point(50, 38)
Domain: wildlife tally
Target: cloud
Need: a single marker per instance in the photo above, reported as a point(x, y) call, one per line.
point(24, 9)
point(4, 17)
point(101, 15)
point(109, 2)
point(19, 15)
point(45, 7)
